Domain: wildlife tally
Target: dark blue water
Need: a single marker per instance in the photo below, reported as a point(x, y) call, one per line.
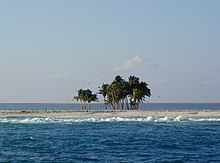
point(110, 139)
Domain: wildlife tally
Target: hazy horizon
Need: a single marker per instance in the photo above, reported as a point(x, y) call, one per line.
point(49, 49)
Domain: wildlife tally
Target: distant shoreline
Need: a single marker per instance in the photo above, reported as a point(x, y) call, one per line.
point(126, 113)
point(74, 103)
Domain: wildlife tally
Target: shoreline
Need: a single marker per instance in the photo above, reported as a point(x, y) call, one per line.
point(124, 113)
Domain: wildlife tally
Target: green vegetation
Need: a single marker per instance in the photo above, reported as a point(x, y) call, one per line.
point(85, 96)
point(120, 94)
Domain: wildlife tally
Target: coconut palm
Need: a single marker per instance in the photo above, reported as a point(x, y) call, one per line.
point(145, 90)
point(125, 91)
point(113, 93)
point(85, 96)
point(117, 93)
point(91, 97)
point(133, 82)
point(137, 97)
point(104, 92)
point(121, 90)
point(139, 91)
point(79, 97)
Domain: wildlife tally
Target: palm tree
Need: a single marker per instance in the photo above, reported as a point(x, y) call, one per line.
point(117, 93)
point(139, 91)
point(113, 95)
point(137, 96)
point(92, 97)
point(145, 90)
point(121, 91)
point(133, 82)
point(126, 92)
point(104, 92)
point(79, 97)
point(85, 96)
point(109, 99)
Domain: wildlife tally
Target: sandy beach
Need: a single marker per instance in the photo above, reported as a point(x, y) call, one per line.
point(141, 113)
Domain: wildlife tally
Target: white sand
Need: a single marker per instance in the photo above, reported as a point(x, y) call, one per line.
point(142, 113)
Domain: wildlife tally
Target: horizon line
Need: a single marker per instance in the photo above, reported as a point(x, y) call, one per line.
point(104, 103)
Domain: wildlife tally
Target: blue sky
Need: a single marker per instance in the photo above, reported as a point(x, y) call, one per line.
point(50, 48)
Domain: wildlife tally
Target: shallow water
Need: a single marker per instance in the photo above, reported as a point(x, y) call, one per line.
point(109, 139)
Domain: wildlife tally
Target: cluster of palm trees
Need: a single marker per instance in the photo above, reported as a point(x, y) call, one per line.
point(85, 96)
point(120, 94)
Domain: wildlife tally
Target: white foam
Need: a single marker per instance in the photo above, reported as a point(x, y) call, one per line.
point(179, 118)
point(69, 120)
point(205, 119)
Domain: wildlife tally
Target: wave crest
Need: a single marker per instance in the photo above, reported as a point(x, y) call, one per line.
point(68, 120)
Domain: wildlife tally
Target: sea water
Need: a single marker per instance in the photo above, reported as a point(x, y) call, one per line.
point(99, 106)
point(111, 138)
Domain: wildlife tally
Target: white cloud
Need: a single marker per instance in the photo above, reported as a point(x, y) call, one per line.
point(56, 75)
point(60, 75)
point(129, 64)
point(208, 83)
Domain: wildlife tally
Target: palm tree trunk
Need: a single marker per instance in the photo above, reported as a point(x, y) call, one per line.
point(113, 101)
point(81, 104)
point(89, 106)
point(122, 104)
point(136, 104)
point(112, 106)
point(84, 104)
point(127, 103)
point(117, 105)
point(131, 104)
point(105, 103)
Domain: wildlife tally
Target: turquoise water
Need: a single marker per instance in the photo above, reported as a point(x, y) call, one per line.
point(110, 139)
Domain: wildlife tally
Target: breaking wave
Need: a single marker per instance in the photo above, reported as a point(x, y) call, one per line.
point(69, 120)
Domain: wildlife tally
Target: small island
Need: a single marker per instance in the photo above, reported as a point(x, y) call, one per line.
point(121, 98)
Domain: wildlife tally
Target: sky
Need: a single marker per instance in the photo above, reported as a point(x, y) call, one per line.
point(51, 48)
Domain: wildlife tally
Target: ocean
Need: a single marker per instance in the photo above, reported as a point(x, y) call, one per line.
point(109, 139)
point(99, 106)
